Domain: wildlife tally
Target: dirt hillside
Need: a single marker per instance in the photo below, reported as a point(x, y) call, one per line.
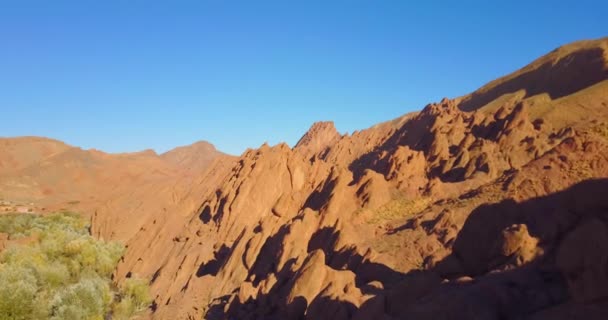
point(118, 191)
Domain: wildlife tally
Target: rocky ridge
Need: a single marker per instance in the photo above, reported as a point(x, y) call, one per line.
point(487, 206)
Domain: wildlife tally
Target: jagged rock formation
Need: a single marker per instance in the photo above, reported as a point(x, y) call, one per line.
point(480, 207)
point(318, 140)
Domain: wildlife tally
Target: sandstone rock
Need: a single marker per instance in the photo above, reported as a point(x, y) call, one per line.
point(319, 137)
point(517, 243)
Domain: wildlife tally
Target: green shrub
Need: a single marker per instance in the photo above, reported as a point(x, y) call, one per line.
point(135, 297)
point(137, 290)
point(18, 292)
point(89, 298)
point(62, 272)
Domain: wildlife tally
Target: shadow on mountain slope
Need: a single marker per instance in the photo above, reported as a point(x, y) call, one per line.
point(568, 75)
point(545, 258)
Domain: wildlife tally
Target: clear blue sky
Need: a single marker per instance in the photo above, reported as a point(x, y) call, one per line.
point(129, 75)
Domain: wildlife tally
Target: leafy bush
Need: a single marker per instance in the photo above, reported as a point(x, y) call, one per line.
point(59, 271)
point(87, 299)
point(135, 297)
point(19, 288)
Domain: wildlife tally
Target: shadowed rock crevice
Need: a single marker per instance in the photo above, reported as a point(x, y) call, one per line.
point(266, 261)
point(348, 258)
point(318, 198)
point(213, 266)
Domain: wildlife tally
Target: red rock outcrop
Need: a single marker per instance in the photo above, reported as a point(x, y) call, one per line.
point(318, 140)
point(477, 207)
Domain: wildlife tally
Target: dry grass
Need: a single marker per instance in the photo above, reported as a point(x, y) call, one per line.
point(399, 208)
point(577, 108)
point(581, 170)
point(601, 130)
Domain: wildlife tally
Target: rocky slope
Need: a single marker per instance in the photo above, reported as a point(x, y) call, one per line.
point(487, 206)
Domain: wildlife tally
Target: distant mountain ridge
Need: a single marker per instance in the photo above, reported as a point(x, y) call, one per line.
point(54, 175)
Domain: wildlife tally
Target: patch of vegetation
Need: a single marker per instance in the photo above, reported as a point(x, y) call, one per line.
point(57, 270)
point(134, 297)
point(601, 130)
point(399, 208)
point(581, 170)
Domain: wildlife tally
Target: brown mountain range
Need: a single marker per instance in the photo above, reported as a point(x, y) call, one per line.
point(124, 188)
point(489, 206)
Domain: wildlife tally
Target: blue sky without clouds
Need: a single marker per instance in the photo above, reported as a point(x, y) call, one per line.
point(130, 75)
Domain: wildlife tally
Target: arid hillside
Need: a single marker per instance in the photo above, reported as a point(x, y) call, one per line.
point(488, 206)
point(118, 191)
